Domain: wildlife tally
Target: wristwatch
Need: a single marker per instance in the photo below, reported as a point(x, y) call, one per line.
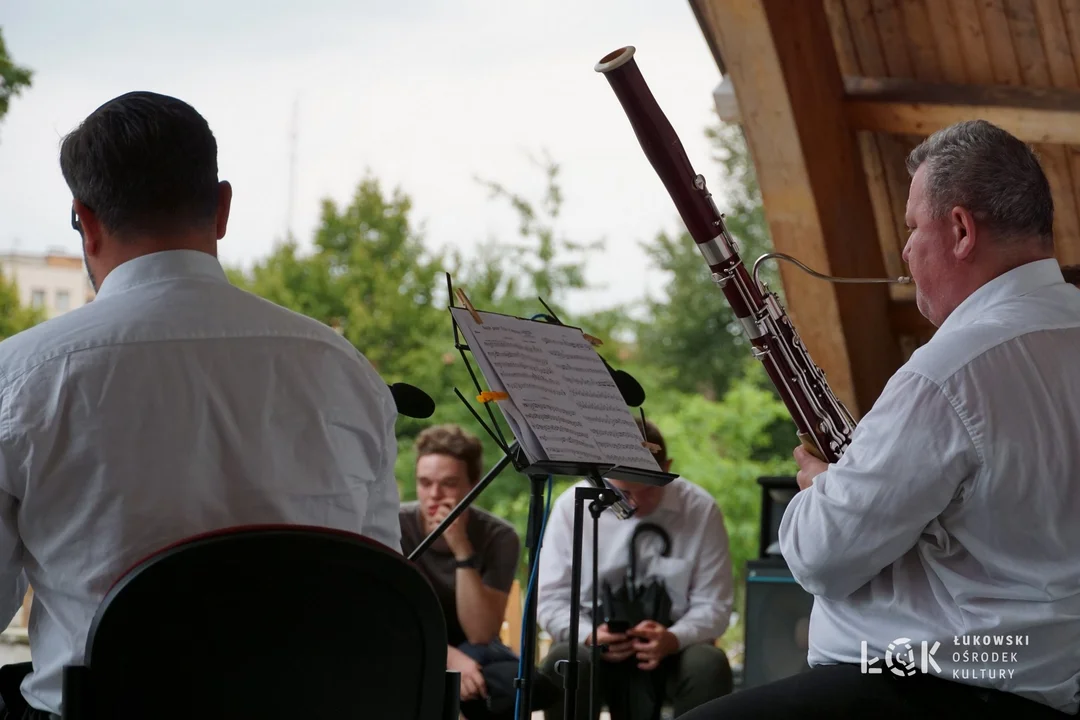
point(470, 562)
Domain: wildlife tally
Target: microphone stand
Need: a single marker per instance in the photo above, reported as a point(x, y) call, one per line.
point(601, 498)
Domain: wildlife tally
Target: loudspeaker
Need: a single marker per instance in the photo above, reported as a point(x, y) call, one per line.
point(777, 623)
point(776, 493)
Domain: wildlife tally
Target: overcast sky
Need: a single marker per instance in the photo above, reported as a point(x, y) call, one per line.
point(425, 94)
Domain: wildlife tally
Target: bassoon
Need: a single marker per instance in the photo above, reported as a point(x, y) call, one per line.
point(823, 424)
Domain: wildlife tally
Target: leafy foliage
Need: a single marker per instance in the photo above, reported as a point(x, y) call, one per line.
point(13, 78)
point(550, 264)
point(14, 316)
point(691, 333)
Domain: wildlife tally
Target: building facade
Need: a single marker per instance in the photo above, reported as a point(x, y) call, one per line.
point(55, 282)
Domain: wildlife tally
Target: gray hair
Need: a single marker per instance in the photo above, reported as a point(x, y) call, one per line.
point(998, 178)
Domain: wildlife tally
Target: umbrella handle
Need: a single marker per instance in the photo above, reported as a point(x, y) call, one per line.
point(641, 529)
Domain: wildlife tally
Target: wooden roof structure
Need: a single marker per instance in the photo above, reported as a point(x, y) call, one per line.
point(833, 94)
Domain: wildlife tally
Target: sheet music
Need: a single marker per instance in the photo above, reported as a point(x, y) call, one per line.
point(559, 389)
point(526, 438)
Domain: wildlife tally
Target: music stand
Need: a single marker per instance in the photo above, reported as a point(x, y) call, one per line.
point(601, 496)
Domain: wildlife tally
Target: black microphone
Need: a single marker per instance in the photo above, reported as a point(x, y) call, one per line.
point(632, 392)
point(411, 401)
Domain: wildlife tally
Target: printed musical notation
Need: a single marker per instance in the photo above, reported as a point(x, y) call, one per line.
point(564, 405)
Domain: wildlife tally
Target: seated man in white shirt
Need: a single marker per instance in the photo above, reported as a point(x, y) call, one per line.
point(698, 577)
point(942, 549)
point(171, 405)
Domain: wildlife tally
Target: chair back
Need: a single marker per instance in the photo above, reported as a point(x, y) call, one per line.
point(269, 622)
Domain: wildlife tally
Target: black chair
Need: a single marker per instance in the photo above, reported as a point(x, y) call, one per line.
point(267, 623)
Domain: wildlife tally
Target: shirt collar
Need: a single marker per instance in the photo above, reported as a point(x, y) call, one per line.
point(164, 265)
point(669, 500)
point(1015, 283)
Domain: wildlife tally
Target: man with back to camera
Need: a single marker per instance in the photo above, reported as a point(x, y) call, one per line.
point(171, 405)
point(951, 518)
point(682, 661)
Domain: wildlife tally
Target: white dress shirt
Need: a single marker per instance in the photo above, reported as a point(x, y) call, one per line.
point(173, 404)
point(954, 516)
point(697, 572)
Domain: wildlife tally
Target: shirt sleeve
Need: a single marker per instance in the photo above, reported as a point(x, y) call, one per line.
point(13, 581)
point(553, 591)
point(712, 585)
point(503, 557)
point(381, 521)
point(907, 460)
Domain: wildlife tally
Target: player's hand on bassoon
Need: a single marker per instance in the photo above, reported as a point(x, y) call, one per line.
point(809, 467)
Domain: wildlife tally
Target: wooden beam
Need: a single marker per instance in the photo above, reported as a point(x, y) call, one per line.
point(906, 320)
point(907, 107)
point(780, 57)
point(900, 106)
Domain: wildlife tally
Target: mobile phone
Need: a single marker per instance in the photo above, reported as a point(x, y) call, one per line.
point(618, 627)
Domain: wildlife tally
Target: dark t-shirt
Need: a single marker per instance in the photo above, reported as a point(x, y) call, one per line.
point(495, 542)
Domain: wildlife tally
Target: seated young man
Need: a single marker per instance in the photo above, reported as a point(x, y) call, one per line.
point(680, 660)
point(648, 663)
point(471, 567)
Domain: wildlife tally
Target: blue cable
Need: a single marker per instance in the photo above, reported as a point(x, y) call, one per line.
point(528, 595)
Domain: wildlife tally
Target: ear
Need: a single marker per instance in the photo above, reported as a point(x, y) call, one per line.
point(90, 228)
point(667, 465)
point(224, 205)
point(964, 232)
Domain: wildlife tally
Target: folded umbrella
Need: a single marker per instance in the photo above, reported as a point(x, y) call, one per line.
point(632, 693)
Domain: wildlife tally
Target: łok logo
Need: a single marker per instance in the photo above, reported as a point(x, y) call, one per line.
point(901, 659)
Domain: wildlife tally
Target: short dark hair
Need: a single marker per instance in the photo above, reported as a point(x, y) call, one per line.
point(1071, 274)
point(993, 174)
point(144, 163)
point(456, 442)
point(653, 435)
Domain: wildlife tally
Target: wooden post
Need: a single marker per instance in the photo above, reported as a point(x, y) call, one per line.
point(782, 63)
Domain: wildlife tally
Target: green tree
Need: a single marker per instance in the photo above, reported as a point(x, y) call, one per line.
point(541, 263)
point(724, 446)
point(13, 78)
point(690, 335)
point(14, 316)
point(369, 276)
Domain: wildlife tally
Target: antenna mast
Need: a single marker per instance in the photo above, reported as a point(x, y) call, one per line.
point(292, 169)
